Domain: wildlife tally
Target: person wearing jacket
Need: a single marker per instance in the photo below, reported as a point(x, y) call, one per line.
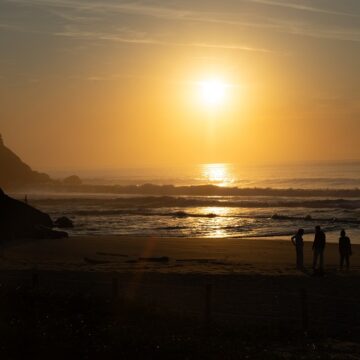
point(344, 249)
point(318, 248)
point(298, 242)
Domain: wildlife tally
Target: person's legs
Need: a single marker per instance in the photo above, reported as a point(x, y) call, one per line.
point(315, 259)
point(299, 257)
point(301, 262)
point(347, 261)
point(341, 260)
point(321, 254)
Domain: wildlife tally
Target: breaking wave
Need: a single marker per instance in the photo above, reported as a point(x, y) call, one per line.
point(142, 205)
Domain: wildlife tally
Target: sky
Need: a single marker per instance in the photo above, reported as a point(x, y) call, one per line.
point(90, 84)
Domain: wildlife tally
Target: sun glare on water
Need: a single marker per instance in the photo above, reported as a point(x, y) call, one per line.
point(219, 174)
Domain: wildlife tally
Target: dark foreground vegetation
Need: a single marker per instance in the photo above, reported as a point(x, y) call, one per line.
point(44, 322)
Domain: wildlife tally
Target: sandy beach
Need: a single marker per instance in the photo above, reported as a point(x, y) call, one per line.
point(163, 291)
point(185, 255)
point(174, 272)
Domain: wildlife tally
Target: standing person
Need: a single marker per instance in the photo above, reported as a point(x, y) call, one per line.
point(298, 242)
point(344, 249)
point(318, 248)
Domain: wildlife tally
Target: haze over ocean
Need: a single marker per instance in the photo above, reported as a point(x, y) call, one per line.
point(268, 215)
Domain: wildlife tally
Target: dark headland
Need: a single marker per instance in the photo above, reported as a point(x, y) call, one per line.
point(14, 172)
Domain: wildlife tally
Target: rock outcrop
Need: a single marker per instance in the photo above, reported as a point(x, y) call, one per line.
point(72, 180)
point(20, 220)
point(15, 173)
point(63, 223)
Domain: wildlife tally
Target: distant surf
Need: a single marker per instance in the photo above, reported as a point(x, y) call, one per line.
point(200, 216)
point(118, 204)
point(211, 200)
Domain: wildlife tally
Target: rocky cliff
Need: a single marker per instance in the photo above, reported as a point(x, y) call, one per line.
point(14, 172)
point(20, 220)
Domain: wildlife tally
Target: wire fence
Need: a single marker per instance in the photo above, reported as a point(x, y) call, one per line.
point(297, 307)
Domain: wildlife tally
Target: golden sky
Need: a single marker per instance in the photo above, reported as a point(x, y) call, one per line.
point(109, 84)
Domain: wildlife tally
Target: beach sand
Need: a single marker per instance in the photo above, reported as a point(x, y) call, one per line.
point(174, 272)
point(186, 255)
point(247, 294)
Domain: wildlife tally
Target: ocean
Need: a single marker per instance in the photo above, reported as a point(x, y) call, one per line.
point(264, 213)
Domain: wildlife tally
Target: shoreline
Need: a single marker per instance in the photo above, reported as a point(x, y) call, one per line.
point(182, 255)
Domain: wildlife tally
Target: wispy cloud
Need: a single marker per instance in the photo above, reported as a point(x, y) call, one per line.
point(119, 35)
point(71, 16)
point(303, 7)
point(228, 47)
point(290, 27)
point(76, 11)
point(9, 27)
point(320, 32)
point(133, 37)
point(102, 8)
point(97, 78)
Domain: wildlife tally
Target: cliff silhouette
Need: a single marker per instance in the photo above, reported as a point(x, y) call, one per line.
point(15, 173)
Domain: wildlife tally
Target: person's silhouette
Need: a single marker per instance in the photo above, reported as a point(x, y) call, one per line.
point(298, 242)
point(318, 248)
point(344, 249)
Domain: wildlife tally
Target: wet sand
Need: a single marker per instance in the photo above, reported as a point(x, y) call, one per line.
point(185, 255)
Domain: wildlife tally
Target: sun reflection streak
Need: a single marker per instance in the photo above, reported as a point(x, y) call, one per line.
point(218, 211)
point(218, 174)
point(216, 226)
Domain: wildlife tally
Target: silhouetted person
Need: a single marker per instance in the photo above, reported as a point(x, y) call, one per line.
point(344, 249)
point(318, 248)
point(298, 242)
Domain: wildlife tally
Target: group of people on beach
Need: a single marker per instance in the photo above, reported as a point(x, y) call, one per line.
point(318, 248)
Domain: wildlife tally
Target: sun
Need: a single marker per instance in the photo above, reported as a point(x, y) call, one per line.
point(212, 92)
